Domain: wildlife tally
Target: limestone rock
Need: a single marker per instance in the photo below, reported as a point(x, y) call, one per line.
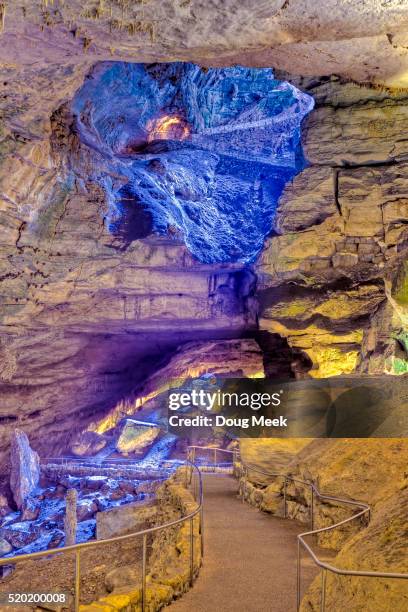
point(372, 471)
point(123, 520)
point(364, 43)
point(122, 577)
point(25, 468)
point(20, 534)
point(88, 443)
point(307, 200)
point(56, 539)
point(30, 509)
point(359, 134)
point(5, 547)
point(85, 510)
point(136, 437)
point(4, 506)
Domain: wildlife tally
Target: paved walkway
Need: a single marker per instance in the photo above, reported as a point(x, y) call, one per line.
point(249, 558)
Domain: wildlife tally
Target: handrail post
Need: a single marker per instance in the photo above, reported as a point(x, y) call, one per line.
point(285, 511)
point(298, 567)
point(77, 578)
point(244, 482)
point(202, 530)
point(144, 555)
point(191, 551)
point(323, 595)
point(312, 507)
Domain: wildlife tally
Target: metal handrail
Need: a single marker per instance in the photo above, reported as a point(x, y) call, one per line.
point(77, 548)
point(191, 452)
point(315, 493)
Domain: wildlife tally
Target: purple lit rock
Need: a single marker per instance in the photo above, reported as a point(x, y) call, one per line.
point(20, 534)
point(30, 509)
point(5, 547)
point(25, 467)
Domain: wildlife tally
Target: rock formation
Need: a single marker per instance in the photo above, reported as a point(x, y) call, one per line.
point(78, 313)
point(25, 468)
point(93, 327)
point(327, 279)
point(363, 41)
point(136, 437)
point(70, 519)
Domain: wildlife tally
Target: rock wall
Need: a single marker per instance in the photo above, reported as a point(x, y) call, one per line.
point(331, 278)
point(83, 321)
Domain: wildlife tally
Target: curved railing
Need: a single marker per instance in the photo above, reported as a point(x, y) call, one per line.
point(363, 510)
point(77, 548)
point(212, 450)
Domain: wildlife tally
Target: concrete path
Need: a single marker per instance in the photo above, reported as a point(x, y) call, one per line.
point(249, 560)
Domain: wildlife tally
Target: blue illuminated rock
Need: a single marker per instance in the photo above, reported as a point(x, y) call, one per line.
point(25, 468)
point(203, 153)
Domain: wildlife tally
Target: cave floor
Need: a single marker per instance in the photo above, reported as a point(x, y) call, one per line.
point(249, 558)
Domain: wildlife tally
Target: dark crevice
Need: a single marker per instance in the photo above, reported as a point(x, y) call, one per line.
point(336, 173)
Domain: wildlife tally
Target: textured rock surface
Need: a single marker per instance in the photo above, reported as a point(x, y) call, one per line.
point(374, 472)
point(200, 154)
point(379, 547)
point(136, 437)
point(88, 443)
point(120, 521)
point(25, 468)
point(364, 41)
point(326, 279)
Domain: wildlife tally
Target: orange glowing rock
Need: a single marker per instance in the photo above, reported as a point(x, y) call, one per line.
point(169, 127)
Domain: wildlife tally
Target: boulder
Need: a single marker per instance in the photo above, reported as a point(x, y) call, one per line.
point(93, 483)
point(137, 437)
point(306, 200)
point(4, 506)
point(127, 576)
point(88, 444)
point(30, 510)
point(111, 490)
point(57, 537)
point(20, 535)
point(124, 520)
point(127, 486)
point(25, 468)
point(86, 531)
point(69, 482)
point(86, 510)
point(5, 547)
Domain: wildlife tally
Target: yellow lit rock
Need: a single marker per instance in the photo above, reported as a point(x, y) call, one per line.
point(331, 361)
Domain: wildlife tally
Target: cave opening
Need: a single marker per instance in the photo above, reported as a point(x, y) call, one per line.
point(203, 153)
